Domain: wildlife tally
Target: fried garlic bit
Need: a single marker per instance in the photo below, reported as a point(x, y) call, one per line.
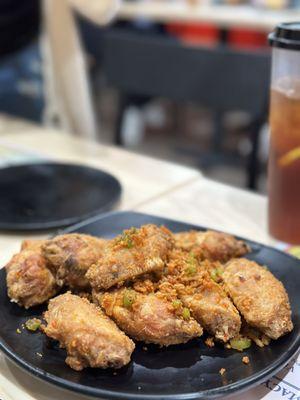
point(245, 360)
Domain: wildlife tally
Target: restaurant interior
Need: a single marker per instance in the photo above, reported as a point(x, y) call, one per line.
point(185, 81)
point(149, 199)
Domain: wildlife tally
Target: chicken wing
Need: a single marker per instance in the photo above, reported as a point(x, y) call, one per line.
point(89, 336)
point(211, 245)
point(70, 256)
point(29, 281)
point(150, 317)
point(135, 252)
point(259, 297)
point(208, 303)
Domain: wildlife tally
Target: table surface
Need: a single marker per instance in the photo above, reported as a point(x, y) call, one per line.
point(223, 15)
point(150, 186)
point(142, 178)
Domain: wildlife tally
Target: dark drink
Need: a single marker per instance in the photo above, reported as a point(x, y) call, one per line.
point(284, 163)
point(284, 158)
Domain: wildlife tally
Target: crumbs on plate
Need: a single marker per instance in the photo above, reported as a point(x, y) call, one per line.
point(209, 342)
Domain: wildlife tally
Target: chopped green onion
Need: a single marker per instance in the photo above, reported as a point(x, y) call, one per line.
point(192, 258)
point(216, 273)
point(129, 243)
point(240, 344)
point(186, 313)
point(191, 269)
point(176, 303)
point(125, 240)
point(128, 298)
point(33, 324)
point(192, 266)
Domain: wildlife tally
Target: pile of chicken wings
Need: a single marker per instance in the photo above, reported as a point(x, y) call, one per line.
point(147, 284)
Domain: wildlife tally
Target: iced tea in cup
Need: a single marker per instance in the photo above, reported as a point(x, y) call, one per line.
point(284, 158)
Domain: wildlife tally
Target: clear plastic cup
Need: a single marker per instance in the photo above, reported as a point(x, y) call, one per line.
point(284, 158)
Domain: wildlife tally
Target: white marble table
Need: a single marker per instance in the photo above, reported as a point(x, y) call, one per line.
point(143, 179)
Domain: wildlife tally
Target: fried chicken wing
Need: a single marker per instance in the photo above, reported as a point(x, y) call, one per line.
point(150, 317)
point(70, 256)
point(208, 303)
point(135, 252)
point(89, 336)
point(211, 245)
point(29, 281)
point(259, 297)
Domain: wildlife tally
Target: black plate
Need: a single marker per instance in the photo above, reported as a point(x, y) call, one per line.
point(52, 195)
point(188, 371)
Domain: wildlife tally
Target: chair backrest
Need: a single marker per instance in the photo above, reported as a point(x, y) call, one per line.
point(218, 78)
point(66, 81)
point(67, 84)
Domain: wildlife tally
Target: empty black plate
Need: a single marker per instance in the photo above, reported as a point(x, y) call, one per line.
point(52, 195)
point(188, 371)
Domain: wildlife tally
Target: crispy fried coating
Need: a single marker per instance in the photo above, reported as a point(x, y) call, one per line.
point(150, 317)
point(32, 244)
point(29, 281)
point(211, 245)
point(135, 252)
point(259, 297)
point(89, 336)
point(208, 302)
point(70, 256)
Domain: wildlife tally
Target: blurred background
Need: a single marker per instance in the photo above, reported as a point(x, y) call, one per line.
point(181, 80)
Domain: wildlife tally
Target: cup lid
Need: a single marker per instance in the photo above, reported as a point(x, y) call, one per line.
point(286, 35)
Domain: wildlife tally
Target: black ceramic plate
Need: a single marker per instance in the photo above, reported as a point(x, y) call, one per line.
point(188, 371)
point(51, 195)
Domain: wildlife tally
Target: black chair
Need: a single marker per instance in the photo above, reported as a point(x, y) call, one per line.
point(220, 79)
point(19, 24)
point(19, 53)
